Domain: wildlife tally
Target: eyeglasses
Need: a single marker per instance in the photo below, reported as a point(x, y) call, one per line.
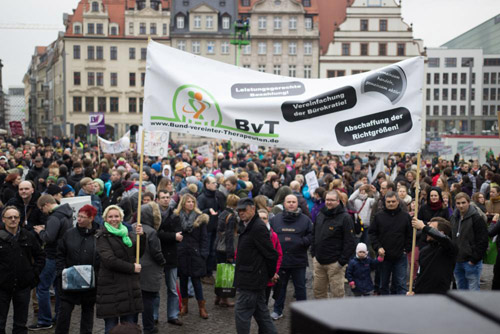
point(11, 217)
point(82, 217)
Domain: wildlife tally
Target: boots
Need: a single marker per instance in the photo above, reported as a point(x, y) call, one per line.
point(225, 302)
point(203, 310)
point(184, 306)
point(217, 300)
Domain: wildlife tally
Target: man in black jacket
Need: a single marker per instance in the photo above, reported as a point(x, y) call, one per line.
point(38, 174)
point(169, 234)
point(255, 266)
point(390, 234)
point(437, 257)
point(25, 201)
point(470, 234)
point(60, 220)
point(294, 230)
point(332, 246)
point(212, 202)
point(21, 261)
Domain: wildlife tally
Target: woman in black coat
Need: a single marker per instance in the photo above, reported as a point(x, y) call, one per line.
point(119, 296)
point(78, 247)
point(270, 187)
point(192, 251)
point(9, 188)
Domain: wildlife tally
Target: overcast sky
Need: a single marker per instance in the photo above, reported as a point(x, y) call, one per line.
point(434, 21)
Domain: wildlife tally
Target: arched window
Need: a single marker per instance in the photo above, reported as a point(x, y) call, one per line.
point(95, 6)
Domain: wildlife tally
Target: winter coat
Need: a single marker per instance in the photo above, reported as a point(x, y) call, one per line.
point(21, 260)
point(437, 262)
point(470, 234)
point(78, 247)
point(277, 246)
point(332, 237)
point(30, 213)
point(74, 181)
point(211, 200)
point(294, 231)
point(118, 286)
point(302, 203)
point(359, 272)
point(318, 205)
point(268, 190)
point(391, 230)
point(170, 225)
point(227, 230)
point(152, 261)
point(362, 206)
point(256, 260)
point(193, 250)
point(115, 192)
point(310, 200)
point(38, 173)
point(60, 220)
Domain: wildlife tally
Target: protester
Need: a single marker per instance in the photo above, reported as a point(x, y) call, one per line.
point(192, 251)
point(21, 262)
point(255, 266)
point(78, 247)
point(119, 297)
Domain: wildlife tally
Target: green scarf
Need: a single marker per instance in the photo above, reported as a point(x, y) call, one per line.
point(121, 231)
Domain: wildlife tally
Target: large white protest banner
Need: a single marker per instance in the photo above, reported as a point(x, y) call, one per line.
point(372, 111)
point(155, 142)
point(76, 203)
point(121, 145)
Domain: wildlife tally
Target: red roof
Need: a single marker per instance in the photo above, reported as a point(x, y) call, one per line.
point(331, 12)
point(116, 11)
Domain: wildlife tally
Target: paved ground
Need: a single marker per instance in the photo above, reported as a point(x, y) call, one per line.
point(221, 320)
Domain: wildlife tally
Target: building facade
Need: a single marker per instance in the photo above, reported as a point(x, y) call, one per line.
point(284, 37)
point(373, 35)
point(463, 83)
point(105, 60)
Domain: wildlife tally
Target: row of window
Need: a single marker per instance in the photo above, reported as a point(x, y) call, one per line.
point(292, 70)
point(247, 49)
point(491, 78)
point(446, 78)
point(341, 73)
point(143, 29)
point(453, 94)
point(97, 52)
point(197, 22)
point(465, 62)
point(134, 104)
point(97, 79)
point(364, 26)
point(246, 3)
point(382, 49)
point(278, 22)
point(490, 110)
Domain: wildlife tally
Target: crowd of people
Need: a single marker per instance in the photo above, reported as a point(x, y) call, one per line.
point(250, 209)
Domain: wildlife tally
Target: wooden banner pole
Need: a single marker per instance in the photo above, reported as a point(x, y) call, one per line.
point(414, 238)
point(139, 200)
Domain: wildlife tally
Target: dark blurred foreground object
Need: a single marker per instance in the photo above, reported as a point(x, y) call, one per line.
point(456, 313)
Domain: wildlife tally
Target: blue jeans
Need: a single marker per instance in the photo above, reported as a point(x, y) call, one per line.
point(172, 296)
point(198, 289)
point(298, 276)
point(156, 307)
point(467, 275)
point(47, 278)
point(110, 323)
point(396, 269)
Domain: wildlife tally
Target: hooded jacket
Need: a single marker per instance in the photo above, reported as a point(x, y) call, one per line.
point(294, 231)
point(333, 238)
point(391, 230)
point(60, 220)
point(470, 234)
point(152, 261)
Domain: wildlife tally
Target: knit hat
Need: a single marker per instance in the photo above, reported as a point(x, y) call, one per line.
point(67, 189)
point(101, 186)
point(121, 162)
point(228, 173)
point(361, 247)
point(156, 167)
point(53, 190)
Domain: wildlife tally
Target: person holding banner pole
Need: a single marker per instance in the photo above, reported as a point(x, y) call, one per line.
point(414, 235)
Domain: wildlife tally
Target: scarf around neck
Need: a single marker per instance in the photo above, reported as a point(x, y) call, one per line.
point(187, 220)
point(121, 231)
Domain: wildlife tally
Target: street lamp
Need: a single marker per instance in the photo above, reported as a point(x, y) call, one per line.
point(241, 36)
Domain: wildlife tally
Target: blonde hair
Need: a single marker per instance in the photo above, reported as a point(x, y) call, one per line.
point(183, 201)
point(113, 207)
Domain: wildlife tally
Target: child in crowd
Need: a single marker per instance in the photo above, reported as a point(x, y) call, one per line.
point(359, 270)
